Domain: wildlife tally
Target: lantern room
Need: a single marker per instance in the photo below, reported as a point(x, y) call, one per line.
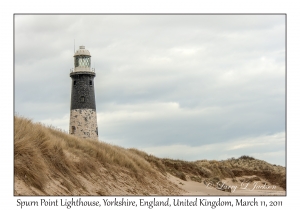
point(82, 60)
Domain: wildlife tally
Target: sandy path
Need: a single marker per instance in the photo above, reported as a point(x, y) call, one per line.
point(238, 188)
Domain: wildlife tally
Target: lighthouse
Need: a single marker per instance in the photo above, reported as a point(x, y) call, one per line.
point(83, 115)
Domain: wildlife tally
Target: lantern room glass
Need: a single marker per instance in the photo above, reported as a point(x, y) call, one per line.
point(82, 61)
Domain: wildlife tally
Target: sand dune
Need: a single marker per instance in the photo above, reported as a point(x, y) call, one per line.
point(255, 188)
point(50, 162)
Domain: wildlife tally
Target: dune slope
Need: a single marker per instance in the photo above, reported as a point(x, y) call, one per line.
point(48, 161)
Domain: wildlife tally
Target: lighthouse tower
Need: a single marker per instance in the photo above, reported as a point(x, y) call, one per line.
point(83, 115)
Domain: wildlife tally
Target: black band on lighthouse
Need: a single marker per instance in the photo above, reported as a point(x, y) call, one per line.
point(83, 94)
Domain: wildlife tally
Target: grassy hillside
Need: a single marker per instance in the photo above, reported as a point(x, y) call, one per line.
point(214, 171)
point(48, 161)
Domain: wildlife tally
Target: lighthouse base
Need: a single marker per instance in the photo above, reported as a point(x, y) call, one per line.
point(83, 123)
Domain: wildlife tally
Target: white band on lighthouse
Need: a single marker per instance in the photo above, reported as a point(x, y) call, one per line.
point(83, 123)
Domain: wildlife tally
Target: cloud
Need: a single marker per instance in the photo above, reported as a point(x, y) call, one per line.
point(160, 80)
point(61, 123)
point(169, 123)
point(219, 151)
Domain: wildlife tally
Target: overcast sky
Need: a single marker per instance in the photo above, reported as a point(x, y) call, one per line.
point(178, 86)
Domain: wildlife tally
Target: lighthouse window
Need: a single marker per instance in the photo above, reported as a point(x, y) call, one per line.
point(91, 82)
point(82, 61)
point(74, 83)
point(73, 129)
point(82, 99)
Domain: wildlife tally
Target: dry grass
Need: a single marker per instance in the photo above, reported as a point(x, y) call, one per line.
point(45, 155)
point(213, 170)
point(41, 152)
point(216, 170)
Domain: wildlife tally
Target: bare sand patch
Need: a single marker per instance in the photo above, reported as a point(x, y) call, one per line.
point(256, 188)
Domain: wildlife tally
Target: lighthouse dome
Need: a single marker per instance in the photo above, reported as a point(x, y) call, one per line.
point(82, 51)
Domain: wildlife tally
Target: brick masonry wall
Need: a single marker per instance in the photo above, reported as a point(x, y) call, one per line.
point(83, 123)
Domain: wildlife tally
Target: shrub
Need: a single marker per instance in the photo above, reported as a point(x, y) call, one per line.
point(245, 157)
